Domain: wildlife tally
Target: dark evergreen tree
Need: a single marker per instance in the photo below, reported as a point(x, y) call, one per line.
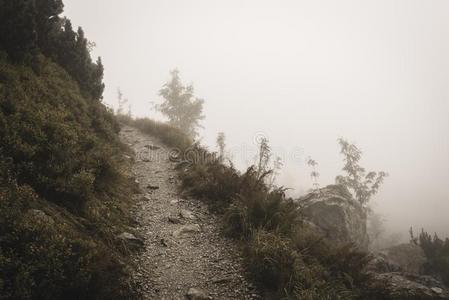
point(48, 23)
point(18, 34)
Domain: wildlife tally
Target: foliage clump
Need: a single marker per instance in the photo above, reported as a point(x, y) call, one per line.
point(437, 254)
point(363, 185)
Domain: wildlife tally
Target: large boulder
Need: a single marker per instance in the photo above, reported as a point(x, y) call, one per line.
point(336, 215)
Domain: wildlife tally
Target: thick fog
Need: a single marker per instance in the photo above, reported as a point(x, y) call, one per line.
point(302, 74)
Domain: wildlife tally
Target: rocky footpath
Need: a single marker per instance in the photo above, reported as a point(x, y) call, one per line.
point(184, 256)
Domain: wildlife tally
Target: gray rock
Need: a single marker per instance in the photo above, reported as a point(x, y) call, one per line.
point(197, 294)
point(187, 214)
point(187, 230)
point(152, 187)
point(174, 220)
point(381, 264)
point(409, 286)
point(40, 217)
point(130, 239)
point(338, 216)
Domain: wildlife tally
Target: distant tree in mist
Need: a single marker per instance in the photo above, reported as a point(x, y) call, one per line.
point(363, 185)
point(180, 106)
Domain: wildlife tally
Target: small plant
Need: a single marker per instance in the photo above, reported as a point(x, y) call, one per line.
point(221, 144)
point(263, 158)
point(314, 173)
point(363, 185)
point(122, 101)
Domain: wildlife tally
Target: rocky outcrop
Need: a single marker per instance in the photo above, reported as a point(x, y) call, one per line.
point(405, 286)
point(397, 269)
point(336, 215)
point(333, 213)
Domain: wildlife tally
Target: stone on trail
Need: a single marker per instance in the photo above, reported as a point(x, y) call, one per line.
point(174, 220)
point(186, 230)
point(186, 214)
point(197, 294)
point(146, 197)
point(152, 187)
point(130, 239)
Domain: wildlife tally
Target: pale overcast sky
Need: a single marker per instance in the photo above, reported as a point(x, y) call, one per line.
point(301, 73)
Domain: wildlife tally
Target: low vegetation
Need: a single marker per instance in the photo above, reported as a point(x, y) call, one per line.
point(436, 251)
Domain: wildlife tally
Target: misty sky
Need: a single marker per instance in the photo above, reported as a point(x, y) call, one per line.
point(301, 73)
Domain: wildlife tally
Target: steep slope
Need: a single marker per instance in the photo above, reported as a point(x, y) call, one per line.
point(63, 188)
point(183, 247)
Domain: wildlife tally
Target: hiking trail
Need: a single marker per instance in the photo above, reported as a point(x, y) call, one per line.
point(184, 255)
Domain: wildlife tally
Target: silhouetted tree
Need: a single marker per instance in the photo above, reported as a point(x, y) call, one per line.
point(180, 106)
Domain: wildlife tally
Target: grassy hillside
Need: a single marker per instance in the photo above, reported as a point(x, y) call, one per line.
point(62, 187)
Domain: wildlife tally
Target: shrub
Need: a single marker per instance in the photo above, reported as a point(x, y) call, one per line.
point(171, 136)
point(437, 254)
